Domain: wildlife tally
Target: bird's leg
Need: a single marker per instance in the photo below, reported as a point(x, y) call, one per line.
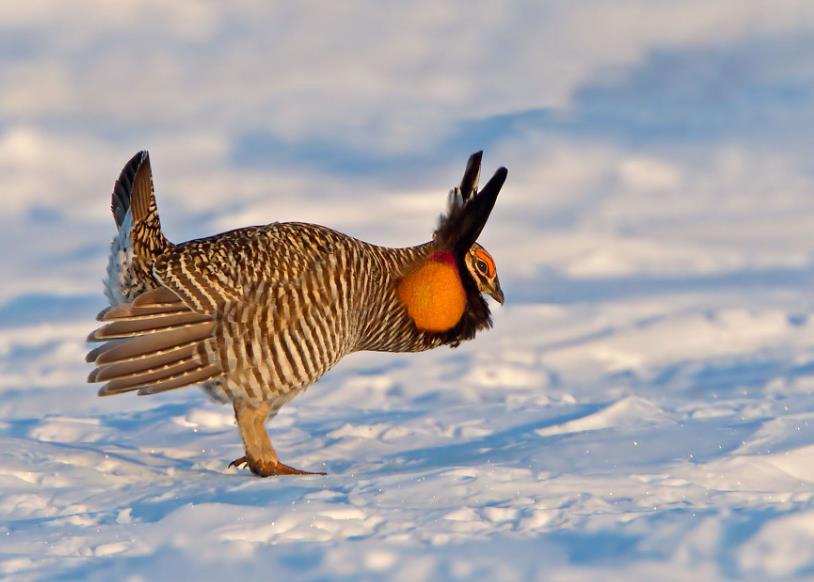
point(260, 455)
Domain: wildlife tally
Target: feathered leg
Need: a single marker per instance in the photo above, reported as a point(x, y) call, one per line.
point(260, 455)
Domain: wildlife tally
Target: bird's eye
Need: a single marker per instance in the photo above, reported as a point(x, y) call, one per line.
point(481, 265)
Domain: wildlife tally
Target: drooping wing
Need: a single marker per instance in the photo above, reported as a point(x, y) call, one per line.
point(154, 344)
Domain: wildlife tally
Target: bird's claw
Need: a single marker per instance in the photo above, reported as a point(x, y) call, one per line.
point(268, 469)
point(238, 463)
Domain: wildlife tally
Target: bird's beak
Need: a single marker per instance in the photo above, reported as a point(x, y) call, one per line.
point(496, 292)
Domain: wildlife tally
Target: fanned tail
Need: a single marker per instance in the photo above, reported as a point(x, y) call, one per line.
point(139, 240)
point(153, 344)
point(134, 192)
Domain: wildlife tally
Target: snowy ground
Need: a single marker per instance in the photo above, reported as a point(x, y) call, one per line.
point(643, 408)
point(641, 433)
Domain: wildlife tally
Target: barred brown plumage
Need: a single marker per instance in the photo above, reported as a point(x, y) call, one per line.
point(258, 314)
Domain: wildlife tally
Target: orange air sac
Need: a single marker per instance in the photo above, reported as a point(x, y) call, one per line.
point(433, 295)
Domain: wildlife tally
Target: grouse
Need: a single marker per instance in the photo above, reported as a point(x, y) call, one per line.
point(258, 314)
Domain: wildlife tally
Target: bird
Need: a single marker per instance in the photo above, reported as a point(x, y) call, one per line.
point(258, 314)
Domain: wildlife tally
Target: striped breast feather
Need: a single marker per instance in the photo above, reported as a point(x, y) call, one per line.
point(153, 344)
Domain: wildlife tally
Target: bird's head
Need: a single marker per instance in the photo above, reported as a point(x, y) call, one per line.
point(467, 213)
point(444, 294)
point(481, 266)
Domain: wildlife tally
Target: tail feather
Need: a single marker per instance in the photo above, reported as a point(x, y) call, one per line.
point(134, 191)
point(123, 188)
point(140, 240)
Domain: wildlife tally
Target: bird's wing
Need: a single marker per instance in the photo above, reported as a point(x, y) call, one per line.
point(184, 332)
point(154, 344)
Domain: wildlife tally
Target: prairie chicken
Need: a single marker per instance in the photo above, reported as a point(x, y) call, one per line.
point(258, 314)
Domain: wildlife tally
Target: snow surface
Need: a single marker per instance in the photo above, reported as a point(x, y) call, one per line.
point(643, 408)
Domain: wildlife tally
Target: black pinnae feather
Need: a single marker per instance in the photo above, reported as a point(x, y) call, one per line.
point(465, 219)
point(469, 182)
point(466, 216)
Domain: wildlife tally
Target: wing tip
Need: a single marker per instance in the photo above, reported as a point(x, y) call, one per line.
point(103, 392)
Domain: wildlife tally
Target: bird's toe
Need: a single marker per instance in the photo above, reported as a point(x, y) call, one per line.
point(283, 469)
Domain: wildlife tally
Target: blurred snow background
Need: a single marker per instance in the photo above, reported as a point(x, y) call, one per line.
point(643, 408)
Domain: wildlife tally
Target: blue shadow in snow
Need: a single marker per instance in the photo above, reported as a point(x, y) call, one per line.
point(550, 286)
point(478, 451)
point(672, 97)
point(46, 308)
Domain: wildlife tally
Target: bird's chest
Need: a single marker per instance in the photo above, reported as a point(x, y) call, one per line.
point(283, 348)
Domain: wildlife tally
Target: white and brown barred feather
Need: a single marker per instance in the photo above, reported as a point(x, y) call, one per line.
point(263, 310)
point(154, 344)
point(257, 313)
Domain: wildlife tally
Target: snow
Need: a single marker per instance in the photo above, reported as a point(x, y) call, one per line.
point(574, 441)
point(643, 408)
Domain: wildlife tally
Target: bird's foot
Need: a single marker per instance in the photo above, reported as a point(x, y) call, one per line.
point(269, 468)
point(283, 469)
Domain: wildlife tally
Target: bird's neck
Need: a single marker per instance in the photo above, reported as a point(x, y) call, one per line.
point(412, 291)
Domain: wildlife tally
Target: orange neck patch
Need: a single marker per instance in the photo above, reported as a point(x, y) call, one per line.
point(433, 294)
